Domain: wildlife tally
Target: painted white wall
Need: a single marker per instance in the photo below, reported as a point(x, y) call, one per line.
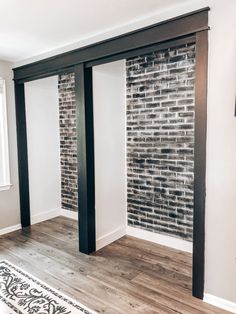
point(9, 200)
point(42, 117)
point(110, 150)
point(220, 272)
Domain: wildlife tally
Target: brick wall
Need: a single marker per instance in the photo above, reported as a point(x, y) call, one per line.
point(160, 141)
point(68, 142)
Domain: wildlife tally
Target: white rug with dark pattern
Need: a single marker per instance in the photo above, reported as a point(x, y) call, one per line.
point(22, 293)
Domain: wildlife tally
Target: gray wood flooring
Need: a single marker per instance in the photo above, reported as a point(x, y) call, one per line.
point(127, 276)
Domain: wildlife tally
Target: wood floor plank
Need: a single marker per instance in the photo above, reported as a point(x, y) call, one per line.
point(84, 260)
point(127, 276)
point(154, 259)
point(159, 250)
point(164, 288)
point(75, 278)
point(156, 270)
point(157, 299)
point(53, 281)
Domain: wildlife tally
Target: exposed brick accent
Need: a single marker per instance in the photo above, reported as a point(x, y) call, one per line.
point(68, 142)
point(160, 141)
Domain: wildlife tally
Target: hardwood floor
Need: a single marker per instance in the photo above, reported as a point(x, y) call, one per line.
point(127, 276)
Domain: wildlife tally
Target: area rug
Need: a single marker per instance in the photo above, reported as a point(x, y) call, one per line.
point(22, 293)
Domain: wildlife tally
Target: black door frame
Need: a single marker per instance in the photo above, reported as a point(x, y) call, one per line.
point(192, 27)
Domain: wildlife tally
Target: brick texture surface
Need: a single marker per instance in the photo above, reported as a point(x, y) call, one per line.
point(68, 142)
point(160, 141)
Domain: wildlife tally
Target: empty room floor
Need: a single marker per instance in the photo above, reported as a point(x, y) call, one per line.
point(127, 276)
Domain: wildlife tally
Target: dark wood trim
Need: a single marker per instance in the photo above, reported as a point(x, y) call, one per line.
point(39, 76)
point(22, 154)
point(145, 50)
point(85, 148)
point(170, 29)
point(200, 163)
point(132, 53)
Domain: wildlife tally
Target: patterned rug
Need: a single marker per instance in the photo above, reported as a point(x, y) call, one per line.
point(22, 293)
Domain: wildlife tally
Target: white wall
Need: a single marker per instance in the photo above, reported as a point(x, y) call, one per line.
point(221, 153)
point(42, 116)
point(110, 151)
point(9, 200)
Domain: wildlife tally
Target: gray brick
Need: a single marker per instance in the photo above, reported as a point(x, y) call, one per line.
point(68, 142)
point(160, 141)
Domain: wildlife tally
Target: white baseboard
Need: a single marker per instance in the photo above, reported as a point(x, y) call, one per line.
point(104, 240)
point(172, 242)
point(52, 213)
point(42, 217)
point(110, 237)
point(219, 302)
point(10, 229)
point(69, 214)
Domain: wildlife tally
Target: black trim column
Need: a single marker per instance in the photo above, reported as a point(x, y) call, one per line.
point(22, 154)
point(85, 149)
point(200, 163)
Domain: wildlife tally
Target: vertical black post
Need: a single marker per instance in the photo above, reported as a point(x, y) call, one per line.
point(200, 163)
point(85, 149)
point(22, 154)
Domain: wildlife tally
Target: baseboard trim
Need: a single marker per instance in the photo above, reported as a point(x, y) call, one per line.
point(172, 242)
point(219, 302)
point(49, 214)
point(10, 229)
point(42, 217)
point(110, 237)
point(69, 214)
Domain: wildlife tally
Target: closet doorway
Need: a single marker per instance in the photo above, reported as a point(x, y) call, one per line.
point(190, 28)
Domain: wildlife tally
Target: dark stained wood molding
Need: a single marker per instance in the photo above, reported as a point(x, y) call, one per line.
point(170, 29)
point(200, 163)
point(22, 154)
point(85, 148)
point(144, 50)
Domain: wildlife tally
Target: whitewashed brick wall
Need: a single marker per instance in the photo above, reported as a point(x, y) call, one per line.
point(68, 142)
point(160, 141)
